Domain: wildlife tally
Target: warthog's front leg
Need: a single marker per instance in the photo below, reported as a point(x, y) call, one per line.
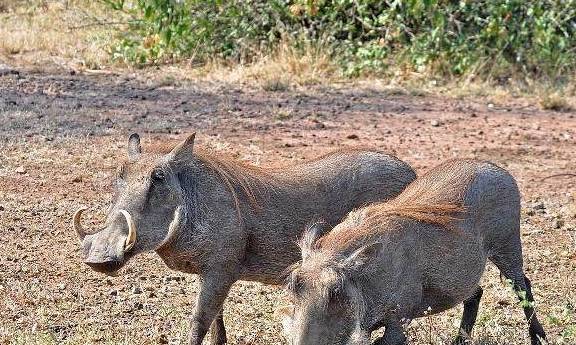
point(393, 334)
point(214, 288)
point(471, 306)
point(218, 331)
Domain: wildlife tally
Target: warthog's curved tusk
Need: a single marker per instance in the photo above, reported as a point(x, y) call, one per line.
point(173, 228)
point(131, 239)
point(76, 223)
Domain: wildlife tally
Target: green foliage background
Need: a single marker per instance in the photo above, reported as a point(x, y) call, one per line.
point(487, 38)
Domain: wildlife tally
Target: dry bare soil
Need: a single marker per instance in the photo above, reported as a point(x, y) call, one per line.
point(61, 136)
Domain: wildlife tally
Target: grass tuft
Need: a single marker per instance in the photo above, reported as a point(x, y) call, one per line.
point(72, 33)
point(293, 63)
point(556, 102)
point(274, 84)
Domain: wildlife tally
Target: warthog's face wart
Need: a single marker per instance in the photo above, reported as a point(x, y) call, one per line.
point(145, 211)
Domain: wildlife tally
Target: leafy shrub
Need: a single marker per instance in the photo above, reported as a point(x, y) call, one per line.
point(163, 30)
point(445, 37)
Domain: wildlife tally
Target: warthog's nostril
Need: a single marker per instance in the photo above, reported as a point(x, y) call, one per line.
point(105, 267)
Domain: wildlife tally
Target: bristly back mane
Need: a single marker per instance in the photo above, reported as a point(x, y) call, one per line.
point(244, 181)
point(440, 214)
point(249, 181)
point(435, 198)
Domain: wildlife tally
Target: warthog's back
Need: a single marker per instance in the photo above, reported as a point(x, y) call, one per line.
point(488, 194)
point(323, 189)
point(481, 189)
point(344, 180)
point(474, 197)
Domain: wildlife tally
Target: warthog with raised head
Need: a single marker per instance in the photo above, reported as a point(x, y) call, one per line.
point(418, 254)
point(213, 216)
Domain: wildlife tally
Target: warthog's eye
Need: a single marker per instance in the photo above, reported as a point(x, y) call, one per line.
point(157, 175)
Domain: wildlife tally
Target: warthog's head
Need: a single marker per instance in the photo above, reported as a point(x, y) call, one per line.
point(146, 211)
point(327, 306)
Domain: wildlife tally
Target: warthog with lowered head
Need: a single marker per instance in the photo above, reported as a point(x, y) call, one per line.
point(213, 216)
point(418, 254)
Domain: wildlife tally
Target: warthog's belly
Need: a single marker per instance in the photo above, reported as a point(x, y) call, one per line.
point(438, 300)
point(443, 294)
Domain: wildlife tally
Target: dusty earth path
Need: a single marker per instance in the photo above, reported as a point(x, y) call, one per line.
point(62, 135)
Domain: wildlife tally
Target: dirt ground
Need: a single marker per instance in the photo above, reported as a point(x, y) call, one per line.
point(62, 134)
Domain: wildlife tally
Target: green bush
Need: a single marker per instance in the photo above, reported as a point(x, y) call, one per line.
point(165, 30)
point(498, 37)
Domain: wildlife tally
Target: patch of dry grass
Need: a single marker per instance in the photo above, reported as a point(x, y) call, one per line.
point(66, 33)
point(555, 101)
point(304, 64)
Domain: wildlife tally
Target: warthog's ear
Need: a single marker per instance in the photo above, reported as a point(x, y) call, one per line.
point(311, 234)
point(134, 149)
point(363, 255)
point(185, 147)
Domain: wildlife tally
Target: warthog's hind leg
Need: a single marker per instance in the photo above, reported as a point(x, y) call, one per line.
point(471, 306)
point(524, 292)
point(510, 265)
point(218, 331)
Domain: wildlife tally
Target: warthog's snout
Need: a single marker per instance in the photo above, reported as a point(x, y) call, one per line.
point(108, 267)
point(107, 250)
